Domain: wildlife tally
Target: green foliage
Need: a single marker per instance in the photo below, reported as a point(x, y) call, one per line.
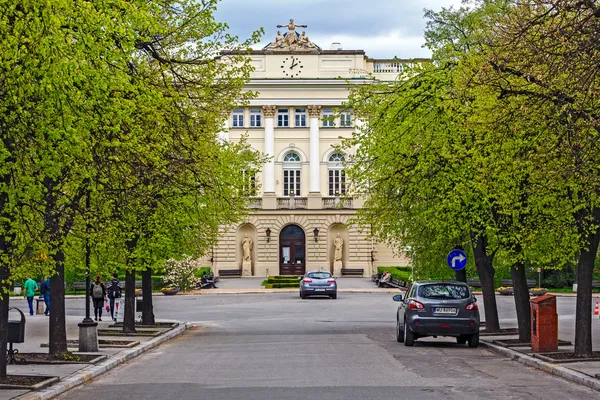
point(280, 285)
point(200, 272)
point(281, 281)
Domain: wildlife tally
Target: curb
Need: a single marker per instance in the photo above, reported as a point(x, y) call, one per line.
point(80, 377)
point(556, 370)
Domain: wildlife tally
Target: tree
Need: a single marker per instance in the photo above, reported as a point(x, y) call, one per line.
point(542, 54)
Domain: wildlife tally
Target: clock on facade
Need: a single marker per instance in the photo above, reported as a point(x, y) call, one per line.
point(291, 67)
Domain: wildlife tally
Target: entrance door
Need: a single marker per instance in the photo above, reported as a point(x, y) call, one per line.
point(292, 251)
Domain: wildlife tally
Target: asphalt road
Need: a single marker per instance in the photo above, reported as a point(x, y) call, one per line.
point(278, 346)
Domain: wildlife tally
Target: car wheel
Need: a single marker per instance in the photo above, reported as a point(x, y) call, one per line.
point(334, 296)
point(461, 339)
point(302, 295)
point(474, 340)
point(399, 333)
point(409, 337)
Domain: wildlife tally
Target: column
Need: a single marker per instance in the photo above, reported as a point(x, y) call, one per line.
point(314, 112)
point(269, 168)
point(224, 133)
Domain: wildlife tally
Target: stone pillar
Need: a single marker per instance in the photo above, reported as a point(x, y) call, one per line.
point(224, 133)
point(314, 195)
point(269, 168)
point(314, 112)
point(88, 337)
point(544, 324)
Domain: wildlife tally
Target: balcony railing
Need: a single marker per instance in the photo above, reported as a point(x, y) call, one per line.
point(255, 203)
point(383, 67)
point(292, 203)
point(337, 202)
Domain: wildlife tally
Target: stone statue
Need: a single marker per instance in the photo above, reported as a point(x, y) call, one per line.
point(279, 40)
point(303, 41)
point(247, 247)
point(291, 38)
point(338, 242)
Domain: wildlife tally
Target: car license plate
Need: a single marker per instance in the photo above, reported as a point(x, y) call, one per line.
point(444, 310)
point(319, 290)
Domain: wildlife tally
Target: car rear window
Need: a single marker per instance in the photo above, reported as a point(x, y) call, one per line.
point(444, 291)
point(319, 275)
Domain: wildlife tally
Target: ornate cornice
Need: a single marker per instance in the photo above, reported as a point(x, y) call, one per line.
point(314, 111)
point(269, 111)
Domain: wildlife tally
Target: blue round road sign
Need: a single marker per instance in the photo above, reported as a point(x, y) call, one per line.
point(457, 259)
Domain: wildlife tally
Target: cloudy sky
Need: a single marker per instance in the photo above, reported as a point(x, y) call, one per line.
point(383, 28)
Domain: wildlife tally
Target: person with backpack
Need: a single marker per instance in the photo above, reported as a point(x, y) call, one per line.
point(98, 293)
point(114, 292)
point(45, 291)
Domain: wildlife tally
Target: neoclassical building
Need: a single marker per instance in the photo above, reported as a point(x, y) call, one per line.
point(301, 209)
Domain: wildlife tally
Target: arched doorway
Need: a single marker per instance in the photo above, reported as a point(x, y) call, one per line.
point(292, 251)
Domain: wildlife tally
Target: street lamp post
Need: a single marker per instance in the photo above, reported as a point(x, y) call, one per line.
point(88, 329)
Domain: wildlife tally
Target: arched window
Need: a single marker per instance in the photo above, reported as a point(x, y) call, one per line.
point(291, 174)
point(337, 175)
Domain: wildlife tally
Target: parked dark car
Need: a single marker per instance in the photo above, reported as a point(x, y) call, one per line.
point(433, 308)
point(318, 283)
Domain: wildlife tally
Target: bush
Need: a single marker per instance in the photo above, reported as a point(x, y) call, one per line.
point(200, 271)
point(281, 281)
point(180, 273)
point(280, 285)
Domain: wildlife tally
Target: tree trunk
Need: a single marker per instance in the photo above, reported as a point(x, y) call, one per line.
point(147, 310)
point(583, 310)
point(4, 304)
point(129, 316)
point(522, 305)
point(57, 324)
point(486, 272)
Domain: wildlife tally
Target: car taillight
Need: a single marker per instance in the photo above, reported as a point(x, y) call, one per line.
point(307, 280)
point(415, 305)
point(472, 307)
point(330, 280)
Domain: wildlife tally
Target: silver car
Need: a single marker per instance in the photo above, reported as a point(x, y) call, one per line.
point(433, 308)
point(318, 283)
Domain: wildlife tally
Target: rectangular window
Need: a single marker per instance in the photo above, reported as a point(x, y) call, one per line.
point(337, 182)
point(283, 118)
point(300, 117)
point(238, 118)
point(328, 118)
point(255, 118)
point(291, 182)
point(346, 119)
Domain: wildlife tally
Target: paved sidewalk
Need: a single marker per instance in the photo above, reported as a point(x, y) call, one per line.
point(36, 333)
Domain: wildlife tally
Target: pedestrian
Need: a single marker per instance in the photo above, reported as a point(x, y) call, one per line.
point(30, 287)
point(114, 292)
point(98, 293)
point(45, 291)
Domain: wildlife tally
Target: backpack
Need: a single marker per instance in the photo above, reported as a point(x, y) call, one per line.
point(97, 292)
point(114, 291)
point(43, 287)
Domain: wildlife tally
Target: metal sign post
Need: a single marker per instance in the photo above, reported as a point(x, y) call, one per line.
point(457, 260)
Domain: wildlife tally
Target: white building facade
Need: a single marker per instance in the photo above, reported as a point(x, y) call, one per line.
point(301, 206)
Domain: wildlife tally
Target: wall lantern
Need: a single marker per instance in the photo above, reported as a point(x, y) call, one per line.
point(268, 232)
point(316, 233)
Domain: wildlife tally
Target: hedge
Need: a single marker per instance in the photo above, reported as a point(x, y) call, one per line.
point(399, 273)
point(279, 285)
